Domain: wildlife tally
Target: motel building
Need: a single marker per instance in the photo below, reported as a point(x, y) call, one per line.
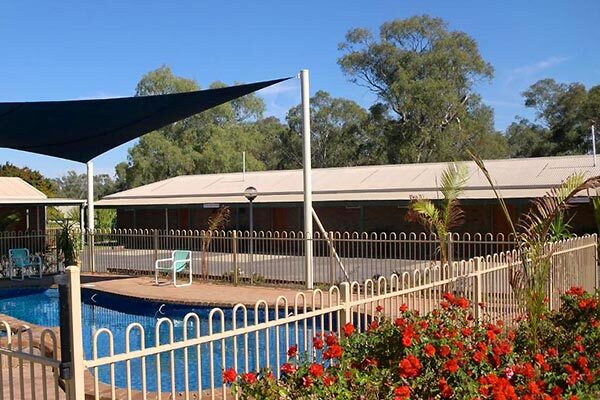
point(350, 199)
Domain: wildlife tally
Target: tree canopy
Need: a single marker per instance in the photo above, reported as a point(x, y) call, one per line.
point(564, 115)
point(423, 75)
point(33, 177)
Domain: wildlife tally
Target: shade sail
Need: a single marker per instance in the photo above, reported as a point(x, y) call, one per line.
point(80, 130)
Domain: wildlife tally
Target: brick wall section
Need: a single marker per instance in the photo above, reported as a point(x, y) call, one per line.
point(482, 218)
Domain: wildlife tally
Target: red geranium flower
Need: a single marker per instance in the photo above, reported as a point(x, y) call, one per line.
point(315, 370)
point(444, 351)
point(317, 343)
point(410, 367)
point(249, 378)
point(402, 393)
point(348, 329)
point(292, 351)
point(429, 350)
point(451, 366)
point(334, 351)
point(329, 380)
point(288, 368)
point(229, 375)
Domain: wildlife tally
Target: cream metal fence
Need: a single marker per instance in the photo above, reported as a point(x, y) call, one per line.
point(29, 363)
point(278, 257)
point(191, 367)
point(184, 358)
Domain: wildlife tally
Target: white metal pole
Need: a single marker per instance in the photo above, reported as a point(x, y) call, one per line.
point(594, 143)
point(306, 156)
point(90, 195)
point(243, 165)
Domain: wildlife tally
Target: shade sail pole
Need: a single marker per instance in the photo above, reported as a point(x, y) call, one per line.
point(306, 156)
point(90, 195)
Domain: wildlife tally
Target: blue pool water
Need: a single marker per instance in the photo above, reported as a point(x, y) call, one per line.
point(101, 310)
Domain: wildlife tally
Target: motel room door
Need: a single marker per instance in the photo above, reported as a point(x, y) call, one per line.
point(280, 219)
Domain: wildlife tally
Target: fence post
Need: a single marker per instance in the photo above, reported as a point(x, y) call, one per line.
point(449, 248)
point(76, 383)
point(234, 258)
point(478, 290)
point(331, 259)
point(345, 298)
point(155, 243)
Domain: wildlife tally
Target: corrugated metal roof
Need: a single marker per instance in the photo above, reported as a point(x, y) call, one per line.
point(12, 188)
point(517, 178)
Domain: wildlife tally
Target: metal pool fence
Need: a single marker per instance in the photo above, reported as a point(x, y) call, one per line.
point(176, 360)
point(278, 257)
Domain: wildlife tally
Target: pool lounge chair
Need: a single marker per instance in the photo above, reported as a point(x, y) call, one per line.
point(20, 261)
point(180, 260)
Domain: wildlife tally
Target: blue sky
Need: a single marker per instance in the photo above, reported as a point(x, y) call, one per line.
point(91, 49)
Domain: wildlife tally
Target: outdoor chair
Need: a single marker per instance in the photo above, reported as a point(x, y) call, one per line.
point(179, 260)
point(20, 262)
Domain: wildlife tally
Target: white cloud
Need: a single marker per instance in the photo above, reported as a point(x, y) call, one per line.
point(532, 69)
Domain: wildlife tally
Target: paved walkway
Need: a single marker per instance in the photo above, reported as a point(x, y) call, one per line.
point(198, 293)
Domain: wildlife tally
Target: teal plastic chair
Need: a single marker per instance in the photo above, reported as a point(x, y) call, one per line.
point(21, 262)
point(178, 262)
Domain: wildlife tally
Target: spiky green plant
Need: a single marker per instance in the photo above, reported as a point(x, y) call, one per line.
point(448, 214)
point(532, 235)
point(68, 243)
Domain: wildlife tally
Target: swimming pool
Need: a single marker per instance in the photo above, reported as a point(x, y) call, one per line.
point(103, 310)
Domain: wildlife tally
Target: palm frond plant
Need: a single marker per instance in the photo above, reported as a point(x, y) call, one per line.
point(441, 219)
point(533, 236)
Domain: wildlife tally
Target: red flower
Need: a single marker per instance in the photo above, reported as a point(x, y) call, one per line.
point(331, 339)
point(229, 375)
point(451, 366)
point(315, 370)
point(402, 393)
point(429, 350)
point(329, 380)
point(306, 381)
point(444, 351)
point(348, 329)
point(379, 308)
point(576, 291)
point(292, 351)
point(403, 308)
point(445, 389)
point(288, 368)
point(317, 343)
point(334, 351)
point(410, 367)
point(249, 378)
